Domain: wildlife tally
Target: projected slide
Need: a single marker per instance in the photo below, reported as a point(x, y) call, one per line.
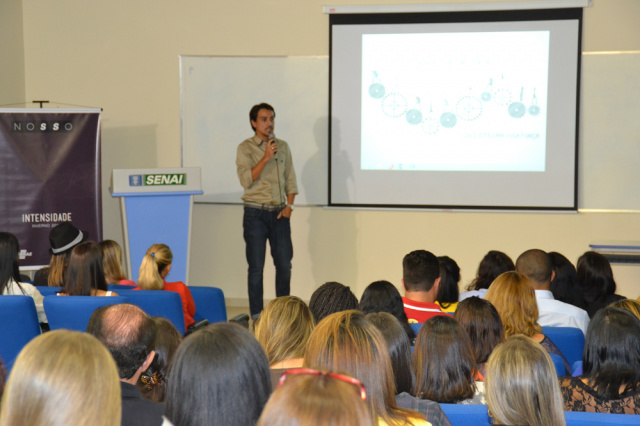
point(455, 101)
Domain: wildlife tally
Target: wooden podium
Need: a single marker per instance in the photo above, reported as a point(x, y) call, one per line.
point(156, 206)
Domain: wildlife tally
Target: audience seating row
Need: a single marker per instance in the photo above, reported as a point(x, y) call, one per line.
point(477, 415)
point(210, 304)
point(18, 325)
point(19, 320)
point(569, 340)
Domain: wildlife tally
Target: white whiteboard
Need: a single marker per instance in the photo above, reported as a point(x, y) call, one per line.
point(216, 96)
point(217, 93)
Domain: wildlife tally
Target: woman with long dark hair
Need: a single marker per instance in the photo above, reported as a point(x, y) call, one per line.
point(595, 278)
point(85, 276)
point(480, 319)
point(219, 377)
point(610, 382)
point(399, 349)
point(10, 274)
point(564, 286)
point(444, 364)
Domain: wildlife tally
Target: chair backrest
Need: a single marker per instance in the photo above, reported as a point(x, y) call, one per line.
point(209, 303)
point(580, 418)
point(73, 312)
point(18, 325)
point(569, 340)
point(415, 326)
point(48, 291)
point(558, 363)
point(159, 303)
point(116, 287)
point(467, 415)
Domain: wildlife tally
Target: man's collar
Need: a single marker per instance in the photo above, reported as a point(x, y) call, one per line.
point(544, 294)
point(257, 140)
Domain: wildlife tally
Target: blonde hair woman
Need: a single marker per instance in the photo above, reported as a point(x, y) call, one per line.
point(283, 330)
point(62, 378)
point(112, 263)
point(515, 300)
point(309, 397)
point(522, 385)
point(156, 265)
point(347, 342)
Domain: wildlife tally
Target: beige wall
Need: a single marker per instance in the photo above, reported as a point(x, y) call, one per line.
point(12, 90)
point(123, 56)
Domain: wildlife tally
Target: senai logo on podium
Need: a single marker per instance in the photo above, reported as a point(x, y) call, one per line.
point(158, 179)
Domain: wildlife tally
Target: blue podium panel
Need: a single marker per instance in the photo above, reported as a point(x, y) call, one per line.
point(162, 218)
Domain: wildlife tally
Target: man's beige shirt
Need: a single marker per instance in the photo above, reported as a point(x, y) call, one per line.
point(267, 189)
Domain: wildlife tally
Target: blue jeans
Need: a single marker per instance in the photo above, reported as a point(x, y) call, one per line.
point(259, 226)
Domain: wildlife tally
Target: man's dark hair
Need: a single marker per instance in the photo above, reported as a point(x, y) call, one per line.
point(536, 265)
point(253, 114)
point(420, 269)
point(127, 331)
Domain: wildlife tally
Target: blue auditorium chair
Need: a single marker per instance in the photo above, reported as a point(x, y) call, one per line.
point(569, 340)
point(73, 312)
point(467, 415)
point(18, 325)
point(210, 303)
point(159, 303)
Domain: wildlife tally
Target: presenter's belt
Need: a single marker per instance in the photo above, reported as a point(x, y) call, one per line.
point(267, 207)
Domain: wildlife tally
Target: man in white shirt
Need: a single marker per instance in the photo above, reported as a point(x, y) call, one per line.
point(536, 265)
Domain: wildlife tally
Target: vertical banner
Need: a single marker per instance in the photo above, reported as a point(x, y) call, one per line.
point(49, 173)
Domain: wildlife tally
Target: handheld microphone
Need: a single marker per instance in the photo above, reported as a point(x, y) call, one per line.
point(273, 136)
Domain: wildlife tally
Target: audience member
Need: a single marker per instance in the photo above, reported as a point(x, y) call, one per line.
point(480, 319)
point(283, 330)
point(10, 274)
point(309, 397)
point(156, 265)
point(611, 379)
point(153, 382)
point(382, 296)
point(515, 300)
point(564, 285)
point(536, 265)
point(399, 348)
point(444, 364)
point(630, 305)
point(330, 298)
point(128, 333)
point(595, 278)
point(85, 276)
point(62, 378)
point(62, 238)
point(492, 264)
point(219, 377)
point(522, 386)
point(420, 279)
point(112, 263)
point(448, 292)
point(347, 342)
